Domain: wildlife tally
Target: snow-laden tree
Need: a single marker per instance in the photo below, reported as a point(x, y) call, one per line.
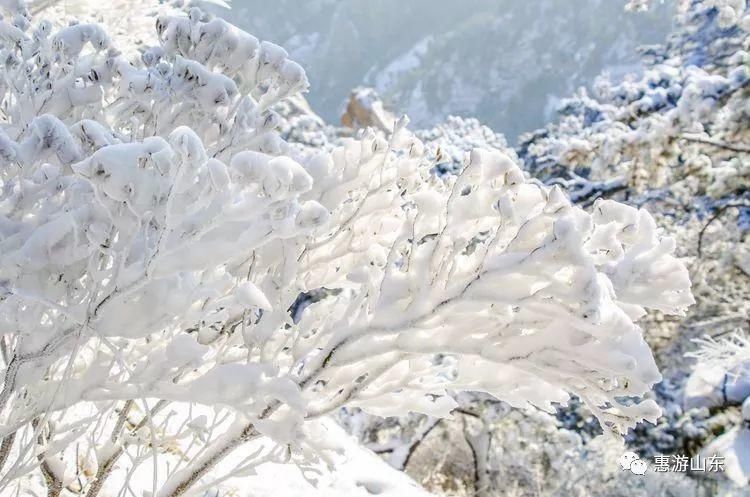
point(676, 140)
point(721, 378)
point(681, 123)
point(176, 280)
point(730, 12)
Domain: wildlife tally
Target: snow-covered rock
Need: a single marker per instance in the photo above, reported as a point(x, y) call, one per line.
point(714, 386)
point(734, 446)
point(365, 108)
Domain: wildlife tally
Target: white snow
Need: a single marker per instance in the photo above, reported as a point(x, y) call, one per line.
point(357, 472)
point(734, 446)
point(713, 386)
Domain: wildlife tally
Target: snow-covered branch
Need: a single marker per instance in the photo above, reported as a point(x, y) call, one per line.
point(156, 233)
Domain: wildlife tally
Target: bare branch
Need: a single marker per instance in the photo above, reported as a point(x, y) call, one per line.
point(734, 147)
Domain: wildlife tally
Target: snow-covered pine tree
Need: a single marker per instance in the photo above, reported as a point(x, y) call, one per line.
point(159, 243)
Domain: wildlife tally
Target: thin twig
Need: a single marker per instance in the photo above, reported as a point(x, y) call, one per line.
point(52, 480)
point(106, 467)
point(415, 445)
point(713, 218)
point(5, 447)
point(740, 148)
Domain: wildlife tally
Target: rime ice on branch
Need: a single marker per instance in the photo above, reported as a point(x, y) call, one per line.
point(155, 232)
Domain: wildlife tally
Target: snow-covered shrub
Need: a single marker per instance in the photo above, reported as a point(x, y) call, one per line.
point(532, 454)
point(156, 232)
point(448, 142)
point(721, 379)
point(682, 123)
point(722, 375)
point(729, 12)
point(674, 139)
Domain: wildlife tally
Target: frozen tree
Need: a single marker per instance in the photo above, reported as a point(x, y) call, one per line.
point(160, 243)
point(730, 12)
point(682, 123)
point(722, 378)
point(674, 139)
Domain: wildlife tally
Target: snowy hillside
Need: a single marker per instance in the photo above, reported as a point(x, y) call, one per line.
point(505, 62)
